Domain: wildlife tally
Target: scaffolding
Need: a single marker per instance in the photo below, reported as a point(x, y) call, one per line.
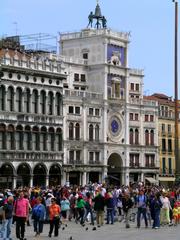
point(39, 42)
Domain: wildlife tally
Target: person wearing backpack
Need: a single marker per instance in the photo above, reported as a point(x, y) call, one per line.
point(38, 215)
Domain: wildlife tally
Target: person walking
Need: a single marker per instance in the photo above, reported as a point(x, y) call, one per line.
point(54, 217)
point(127, 204)
point(141, 203)
point(99, 203)
point(21, 211)
point(38, 215)
point(155, 206)
point(8, 208)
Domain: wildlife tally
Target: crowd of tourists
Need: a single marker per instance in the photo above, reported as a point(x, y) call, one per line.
point(95, 204)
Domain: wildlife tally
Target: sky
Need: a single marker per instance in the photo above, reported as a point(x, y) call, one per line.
point(151, 23)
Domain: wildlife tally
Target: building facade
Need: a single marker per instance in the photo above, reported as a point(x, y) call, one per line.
point(166, 135)
point(78, 117)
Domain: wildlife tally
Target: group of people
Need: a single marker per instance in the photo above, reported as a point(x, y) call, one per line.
point(96, 203)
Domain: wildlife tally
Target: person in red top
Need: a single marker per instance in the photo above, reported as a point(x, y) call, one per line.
point(21, 211)
point(54, 217)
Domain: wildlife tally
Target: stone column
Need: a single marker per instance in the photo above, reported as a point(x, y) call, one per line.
point(53, 106)
point(142, 177)
point(31, 180)
point(22, 102)
point(63, 178)
point(5, 101)
point(14, 183)
point(84, 178)
point(47, 180)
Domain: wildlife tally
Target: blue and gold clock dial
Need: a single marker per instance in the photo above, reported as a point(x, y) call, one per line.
point(114, 126)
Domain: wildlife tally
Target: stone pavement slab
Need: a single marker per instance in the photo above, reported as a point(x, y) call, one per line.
point(110, 232)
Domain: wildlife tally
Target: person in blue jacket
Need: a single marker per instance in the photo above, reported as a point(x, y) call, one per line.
point(38, 215)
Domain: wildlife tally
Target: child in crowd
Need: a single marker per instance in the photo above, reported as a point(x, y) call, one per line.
point(175, 213)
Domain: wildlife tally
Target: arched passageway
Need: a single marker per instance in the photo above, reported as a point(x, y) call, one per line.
point(39, 175)
point(23, 175)
point(114, 169)
point(55, 175)
point(6, 176)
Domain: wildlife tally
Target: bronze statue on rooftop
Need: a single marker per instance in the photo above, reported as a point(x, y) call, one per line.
point(101, 21)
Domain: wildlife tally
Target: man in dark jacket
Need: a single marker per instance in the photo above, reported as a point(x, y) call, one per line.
point(99, 203)
point(127, 204)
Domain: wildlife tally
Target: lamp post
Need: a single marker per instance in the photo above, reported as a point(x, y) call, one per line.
point(177, 160)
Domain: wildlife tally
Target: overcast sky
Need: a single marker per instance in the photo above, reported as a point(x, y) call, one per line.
point(151, 23)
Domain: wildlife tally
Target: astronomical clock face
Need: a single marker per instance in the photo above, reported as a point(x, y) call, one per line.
point(115, 125)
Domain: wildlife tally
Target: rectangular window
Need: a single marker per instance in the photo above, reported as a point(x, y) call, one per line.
point(163, 166)
point(136, 117)
point(97, 156)
point(77, 110)
point(169, 128)
point(76, 77)
point(131, 116)
point(71, 109)
point(78, 156)
point(71, 156)
point(96, 112)
point(85, 55)
point(151, 118)
point(131, 160)
point(137, 87)
point(137, 160)
point(91, 111)
point(91, 157)
point(132, 86)
point(163, 144)
point(163, 128)
point(170, 165)
point(169, 145)
point(146, 118)
point(83, 77)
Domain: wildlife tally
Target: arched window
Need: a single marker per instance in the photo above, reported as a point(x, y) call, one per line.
point(59, 139)
point(11, 138)
point(131, 136)
point(19, 137)
point(27, 98)
point(50, 103)
point(97, 132)
point(136, 136)
point(2, 100)
point(91, 135)
point(152, 137)
point(52, 139)
point(58, 104)
point(146, 137)
point(10, 99)
point(27, 138)
point(43, 102)
point(2, 136)
point(35, 139)
point(71, 131)
point(77, 131)
point(43, 139)
point(19, 99)
point(35, 101)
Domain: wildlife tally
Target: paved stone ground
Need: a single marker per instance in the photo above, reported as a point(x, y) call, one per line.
point(109, 232)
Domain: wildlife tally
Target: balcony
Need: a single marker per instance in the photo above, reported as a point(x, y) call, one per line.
point(6, 155)
point(166, 172)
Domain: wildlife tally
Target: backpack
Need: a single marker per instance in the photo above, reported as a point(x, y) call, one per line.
point(36, 212)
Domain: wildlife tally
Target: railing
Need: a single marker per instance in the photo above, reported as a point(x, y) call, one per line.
point(143, 102)
point(95, 32)
point(83, 94)
point(29, 155)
